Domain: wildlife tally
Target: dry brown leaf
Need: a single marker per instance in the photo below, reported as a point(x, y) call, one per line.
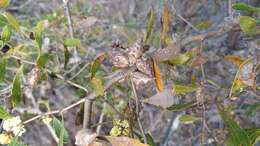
point(246, 73)
point(166, 22)
point(124, 141)
point(199, 60)
point(85, 137)
point(167, 53)
point(162, 99)
point(141, 80)
point(157, 74)
point(144, 66)
point(234, 59)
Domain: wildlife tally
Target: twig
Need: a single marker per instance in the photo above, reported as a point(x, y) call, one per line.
point(187, 22)
point(87, 114)
point(137, 111)
point(101, 119)
point(91, 96)
point(68, 14)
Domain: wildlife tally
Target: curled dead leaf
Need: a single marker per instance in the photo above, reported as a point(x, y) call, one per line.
point(33, 77)
point(143, 66)
point(120, 61)
point(85, 137)
point(140, 79)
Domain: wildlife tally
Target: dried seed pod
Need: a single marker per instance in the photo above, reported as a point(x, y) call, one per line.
point(144, 67)
point(33, 77)
point(140, 79)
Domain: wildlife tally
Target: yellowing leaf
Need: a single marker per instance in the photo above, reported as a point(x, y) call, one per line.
point(183, 89)
point(6, 34)
point(166, 21)
point(234, 59)
point(248, 25)
point(17, 89)
point(4, 3)
point(12, 21)
point(98, 86)
point(38, 33)
point(150, 26)
point(187, 119)
point(3, 113)
point(157, 74)
point(2, 69)
point(96, 64)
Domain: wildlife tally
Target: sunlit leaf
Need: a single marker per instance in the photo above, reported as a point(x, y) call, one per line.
point(183, 89)
point(6, 34)
point(98, 85)
point(248, 25)
point(72, 42)
point(12, 21)
point(150, 26)
point(2, 69)
point(16, 88)
point(3, 113)
point(237, 136)
point(166, 22)
point(181, 59)
point(58, 128)
point(187, 119)
point(42, 60)
point(4, 3)
point(182, 107)
point(245, 7)
point(158, 79)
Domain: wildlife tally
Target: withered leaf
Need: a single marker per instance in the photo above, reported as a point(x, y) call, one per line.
point(158, 79)
point(167, 53)
point(166, 21)
point(234, 59)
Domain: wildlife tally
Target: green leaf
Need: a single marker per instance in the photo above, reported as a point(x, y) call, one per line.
point(2, 69)
point(15, 142)
point(72, 42)
point(38, 33)
point(251, 109)
point(187, 119)
point(96, 64)
point(254, 135)
point(183, 89)
point(6, 34)
point(150, 26)
point(245, 7)
point(66, 56)
point(98, 85)
point(237, 136)
point(61, 136)
point(182, 107)
point(42, 60)
point(16, 89)
point(58, 128)
point(3, 113)
point(150, 140)
point(12, 21)
point(248, 25)
point(4, 3)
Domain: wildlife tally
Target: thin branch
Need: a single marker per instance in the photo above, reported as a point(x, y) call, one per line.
point(122, 74)
point(68, 14)
point(87, 114)
point(137, 111)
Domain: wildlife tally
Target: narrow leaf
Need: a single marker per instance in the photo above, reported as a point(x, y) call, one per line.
point(235, 59)
point(245, 7)
point(12, 21)
point(2, 69)
point(157, 74)
point(3, 113)
point(183, 89)
point(38, 33)
point(166, 22)
point(98, 85)
point(6, 34)
point(17, 89)
point(182, 107)
point(96, 64)
point(62, 131)
point(254, 135)
point(187, 119)
point(66, 56)
point(150, 26)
